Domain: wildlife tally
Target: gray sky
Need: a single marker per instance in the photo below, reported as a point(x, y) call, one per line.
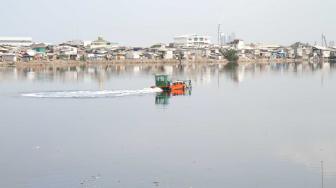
point(144, 22)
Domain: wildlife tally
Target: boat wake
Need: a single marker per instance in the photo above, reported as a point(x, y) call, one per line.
point(91, 94)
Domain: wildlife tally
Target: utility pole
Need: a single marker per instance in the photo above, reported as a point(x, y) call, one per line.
point(322, 175)
point(218, 34)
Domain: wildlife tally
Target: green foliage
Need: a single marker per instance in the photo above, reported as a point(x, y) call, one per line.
point(231, 55)
point(82, 58)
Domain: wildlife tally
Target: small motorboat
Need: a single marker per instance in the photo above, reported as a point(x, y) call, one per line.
point(163, 82)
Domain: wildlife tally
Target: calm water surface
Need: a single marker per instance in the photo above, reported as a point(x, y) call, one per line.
point(253, 126)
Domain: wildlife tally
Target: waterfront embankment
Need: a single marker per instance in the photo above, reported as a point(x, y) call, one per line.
point(66, 63)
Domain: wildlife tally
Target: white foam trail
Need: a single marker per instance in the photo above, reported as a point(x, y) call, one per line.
point(91, 94)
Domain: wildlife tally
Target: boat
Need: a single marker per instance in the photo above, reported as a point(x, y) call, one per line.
point(165, 83)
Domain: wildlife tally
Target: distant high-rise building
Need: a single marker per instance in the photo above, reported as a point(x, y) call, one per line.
point(223, 39)
point(232, 37)
point(227, 38)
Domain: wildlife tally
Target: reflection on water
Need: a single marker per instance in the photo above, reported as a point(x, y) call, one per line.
point(197, 72)
point(163, 98)
point(254, 125)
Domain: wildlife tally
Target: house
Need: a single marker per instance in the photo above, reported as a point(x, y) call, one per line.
point(28, 56)
point(67, 52)
point(51, 56)
point(168, 54)
point(290, 52)
point(133, 55)
point(301, 51)
point(150, 55)
point(238, 44)
point(120, 56)
point(3, 50)
point(321, 51)
point(9, 57)
point(333, 53)
point(163, 53)
point(39, 48)
point(279, 53)
point(97, 55)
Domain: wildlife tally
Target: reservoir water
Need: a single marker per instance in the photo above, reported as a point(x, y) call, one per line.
point(252, 126)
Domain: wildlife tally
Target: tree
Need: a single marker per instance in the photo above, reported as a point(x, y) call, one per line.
point(230, 55)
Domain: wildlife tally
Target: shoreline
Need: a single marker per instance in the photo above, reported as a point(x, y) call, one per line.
point(67, 63)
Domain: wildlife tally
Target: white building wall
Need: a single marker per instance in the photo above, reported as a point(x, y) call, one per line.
point(326, 53)
point(67, 50)
point(168, 54)
point(240, 45)
point(9, 57)
point(192, 40)
point(16, 41)
point(132, 55)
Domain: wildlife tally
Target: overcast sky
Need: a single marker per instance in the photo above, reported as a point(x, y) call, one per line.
point(144, 22)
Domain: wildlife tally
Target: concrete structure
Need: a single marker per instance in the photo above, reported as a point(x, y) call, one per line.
point(238, 44)
point(16, 41)
point(101, 43)
point(192, 41)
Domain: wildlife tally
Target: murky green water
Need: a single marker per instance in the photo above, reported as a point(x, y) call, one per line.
point(248, 126)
